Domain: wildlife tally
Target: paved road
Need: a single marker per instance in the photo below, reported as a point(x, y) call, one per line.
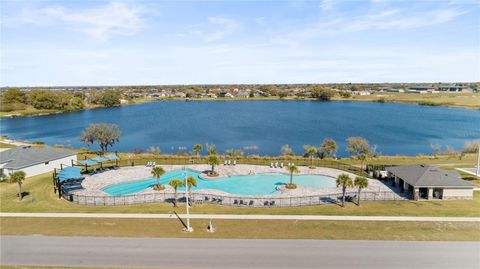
point(234, 253)
point(232, 216)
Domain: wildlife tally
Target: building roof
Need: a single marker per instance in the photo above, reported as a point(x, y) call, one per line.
point(25, 156)
point(422, 175)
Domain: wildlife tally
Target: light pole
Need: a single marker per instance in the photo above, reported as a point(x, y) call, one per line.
point(478, 160)
point(188, 229)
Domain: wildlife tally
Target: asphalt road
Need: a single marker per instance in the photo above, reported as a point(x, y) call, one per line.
point(234, 253)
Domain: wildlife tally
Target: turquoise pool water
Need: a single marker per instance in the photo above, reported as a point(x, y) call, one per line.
point(259, 184)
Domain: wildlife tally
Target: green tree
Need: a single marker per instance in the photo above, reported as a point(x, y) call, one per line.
point(229, 152)
point(110, 98)
point(238, 153)
point(358, 145)
point(292, 169)
point(310, 151)
point(18, 177)
point(191, 182)
point(76, 103)
point(213, 160)
point(14, 95)
point(362, 157)
point(328, 148)
point(157, 172)
point(44, 99)
point(197, 148)
point(321, 93)
point(345, 181)
point(361, 183)
point(102, 133)
point(211, 150)
point(175, 183)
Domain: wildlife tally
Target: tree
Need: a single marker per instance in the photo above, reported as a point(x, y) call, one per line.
point(211, 150)
point(310, 151)
point(106, 135)
point(44, 99)
point(328, 148)
point(76, 103)
point(157, 172)
point(358, 145)
point(110, 98)
point(229, 152)
point(321, 93)
point(345, 181)
point(292, 169)
point(361, 183)
point(18, 177)
point(175, 183)
point(14, 95)
point(190, 182)
point(287, 151)
point(362, 157)
point(238, 153)
point(213, 160)
point(436, 149)
point(197, 148)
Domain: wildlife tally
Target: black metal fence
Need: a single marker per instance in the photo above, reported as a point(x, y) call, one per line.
point(232, 200)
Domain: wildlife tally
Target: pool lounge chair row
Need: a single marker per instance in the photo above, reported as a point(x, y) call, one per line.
point(234, 162)
point(276, 165)
point(150, 164)
point(252, 203)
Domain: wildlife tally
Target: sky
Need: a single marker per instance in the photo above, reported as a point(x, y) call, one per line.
point(53, 43)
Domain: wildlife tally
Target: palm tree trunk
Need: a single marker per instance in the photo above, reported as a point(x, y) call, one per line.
point(291, 178)
point(19, 191)
point(311, 160)
point(213, 168)
point(344, 189)
point(358, 198)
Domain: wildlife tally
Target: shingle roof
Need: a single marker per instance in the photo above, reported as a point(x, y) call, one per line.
point(422, 175)
point(24, 156)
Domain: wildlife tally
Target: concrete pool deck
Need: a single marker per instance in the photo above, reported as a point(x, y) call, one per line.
point(93, 184)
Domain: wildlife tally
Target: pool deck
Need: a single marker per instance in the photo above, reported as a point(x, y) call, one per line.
point(94, 184)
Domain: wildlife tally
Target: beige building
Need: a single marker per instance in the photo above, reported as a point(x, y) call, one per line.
point(425, 182)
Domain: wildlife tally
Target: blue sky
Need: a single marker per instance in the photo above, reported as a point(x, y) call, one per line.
point(206, 42)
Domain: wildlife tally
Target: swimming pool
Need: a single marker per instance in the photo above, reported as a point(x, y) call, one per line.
point(259, 184)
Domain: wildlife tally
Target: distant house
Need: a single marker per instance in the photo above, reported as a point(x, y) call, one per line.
point(180, 94)
point(211, 95)
point(34, 160)
point(225, 95)
point(243, 94)
point(428, 182)
point(422, 89)
point(454, 88)
point(361, 93)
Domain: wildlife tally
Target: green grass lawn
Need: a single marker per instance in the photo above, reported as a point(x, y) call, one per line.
point(245, 229)
point(42, 199)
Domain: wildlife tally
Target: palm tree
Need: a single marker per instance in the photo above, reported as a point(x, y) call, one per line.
point(292, 169)
point(311, 151)
point(362, 157)
point(213, 160)
point(191, 181)
point(197, 148)
point(18, 177)
point(175, 183)
point(361, 183)
point(229, 152)
point(345, 181)
point(157, 172)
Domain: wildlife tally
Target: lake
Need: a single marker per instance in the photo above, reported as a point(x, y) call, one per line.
point(401, 129)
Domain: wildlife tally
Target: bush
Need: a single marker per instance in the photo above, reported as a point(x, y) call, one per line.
point(291, 186)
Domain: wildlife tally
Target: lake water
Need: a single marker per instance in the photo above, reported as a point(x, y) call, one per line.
point(267, 125)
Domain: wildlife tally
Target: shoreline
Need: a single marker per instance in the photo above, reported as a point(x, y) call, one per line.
point(372, 99)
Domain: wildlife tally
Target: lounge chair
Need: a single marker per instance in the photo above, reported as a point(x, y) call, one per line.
point(234, 162)
point(219, 200)
point(276, 165)
point(251, 202)
point(213, 200)
point(148, 164)
point(241, 202)
point(271, 165)
point(228, 162)
point(281, 165)
point(225, 163)
point(235, 202)
point(265, 203)
point(272, 203)
point(154, 164)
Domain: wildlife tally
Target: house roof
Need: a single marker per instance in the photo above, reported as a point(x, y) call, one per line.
point(24, 156)
point(422, 175)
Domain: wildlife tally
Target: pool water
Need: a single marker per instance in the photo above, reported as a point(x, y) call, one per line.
point(259, 184)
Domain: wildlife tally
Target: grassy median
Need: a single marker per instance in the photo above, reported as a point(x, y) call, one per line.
point(40, 198)
point(245, 229)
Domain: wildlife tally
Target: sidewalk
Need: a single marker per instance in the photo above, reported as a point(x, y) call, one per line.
point(239, 217)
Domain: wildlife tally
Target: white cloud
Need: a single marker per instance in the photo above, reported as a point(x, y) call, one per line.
point(326, 4)
point(99, 22)
point(227, 27)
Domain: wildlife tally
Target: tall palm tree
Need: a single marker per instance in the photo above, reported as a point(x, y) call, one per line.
point(361, 183)
point(345, 181)
point(176, 183)
point(18, 177)
point(190, 181)
point(213, 160)
point(197, 148)
point(157, 172)
point(292, 169)
point(310, 152)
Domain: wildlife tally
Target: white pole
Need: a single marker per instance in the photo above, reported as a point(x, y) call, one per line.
point(188, 229)
point(478, 160)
